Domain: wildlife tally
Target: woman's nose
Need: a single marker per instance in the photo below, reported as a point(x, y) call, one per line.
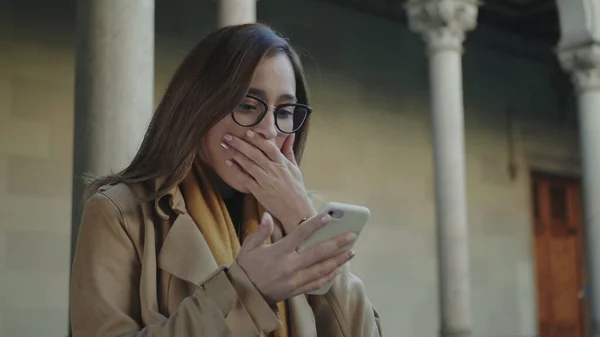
point(267, 126)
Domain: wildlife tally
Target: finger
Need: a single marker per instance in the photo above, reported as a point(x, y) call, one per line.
point(318, 275)
point(269, 148)
point(287, 149)
point(293, 240)
point(243, 176)
point(317, 284)
point(325, 250)
point(248, 165)
point(251, 151)
point(260, 237)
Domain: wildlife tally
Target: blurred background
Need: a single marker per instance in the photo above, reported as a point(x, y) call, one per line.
point(371, 143)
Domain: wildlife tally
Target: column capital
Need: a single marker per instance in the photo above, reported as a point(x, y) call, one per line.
point(583, 63)
point(442, 23)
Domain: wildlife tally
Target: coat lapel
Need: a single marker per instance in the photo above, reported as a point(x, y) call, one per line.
point(185, 253)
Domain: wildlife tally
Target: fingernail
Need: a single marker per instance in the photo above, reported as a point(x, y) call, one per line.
point(351, 255)
point(265, 218)
point(228, 137)
point(250, 133)
point(225, 146)
point(325, 218)
point(228, 162)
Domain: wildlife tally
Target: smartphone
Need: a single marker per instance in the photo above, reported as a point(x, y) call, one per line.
point(344, 218)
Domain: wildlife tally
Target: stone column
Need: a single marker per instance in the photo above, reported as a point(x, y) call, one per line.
point(442, 24)
point(114, 84)
point(579, 54)
point(583, 63)
point(235, 12)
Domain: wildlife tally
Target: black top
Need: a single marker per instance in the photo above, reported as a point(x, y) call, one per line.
point(235, 207)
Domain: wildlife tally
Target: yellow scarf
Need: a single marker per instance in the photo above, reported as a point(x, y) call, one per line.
point(208, 210)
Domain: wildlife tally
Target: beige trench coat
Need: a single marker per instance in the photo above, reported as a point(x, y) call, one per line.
point(144, 269)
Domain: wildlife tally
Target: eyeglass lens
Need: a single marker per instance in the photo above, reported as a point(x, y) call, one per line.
point(289, 117)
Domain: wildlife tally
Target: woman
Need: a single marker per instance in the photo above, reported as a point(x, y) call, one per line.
point(174, 245)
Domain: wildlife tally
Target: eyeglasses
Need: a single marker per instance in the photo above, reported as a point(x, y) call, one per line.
point(289, 117)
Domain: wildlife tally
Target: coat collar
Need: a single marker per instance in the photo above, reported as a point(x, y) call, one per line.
point(171, 201)
point(184, 253)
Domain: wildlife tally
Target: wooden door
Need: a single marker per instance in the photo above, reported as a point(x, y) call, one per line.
point(558, 254)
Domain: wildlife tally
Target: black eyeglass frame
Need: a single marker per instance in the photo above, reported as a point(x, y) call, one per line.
point(308, 108)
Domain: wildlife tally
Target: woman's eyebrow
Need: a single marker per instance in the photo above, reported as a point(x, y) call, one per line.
point(261, 93)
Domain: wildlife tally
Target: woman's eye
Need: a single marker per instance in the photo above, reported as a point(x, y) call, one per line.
point(247, 107)
point(284, 113)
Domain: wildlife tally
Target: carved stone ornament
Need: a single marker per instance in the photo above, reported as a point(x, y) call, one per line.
point(442, 23)
point(583, 63)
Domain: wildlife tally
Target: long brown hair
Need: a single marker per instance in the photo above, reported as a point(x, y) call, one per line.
point(212, 79)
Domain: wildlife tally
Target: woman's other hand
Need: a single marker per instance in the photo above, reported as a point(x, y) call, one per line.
point(282, 270)
point(272, 176)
